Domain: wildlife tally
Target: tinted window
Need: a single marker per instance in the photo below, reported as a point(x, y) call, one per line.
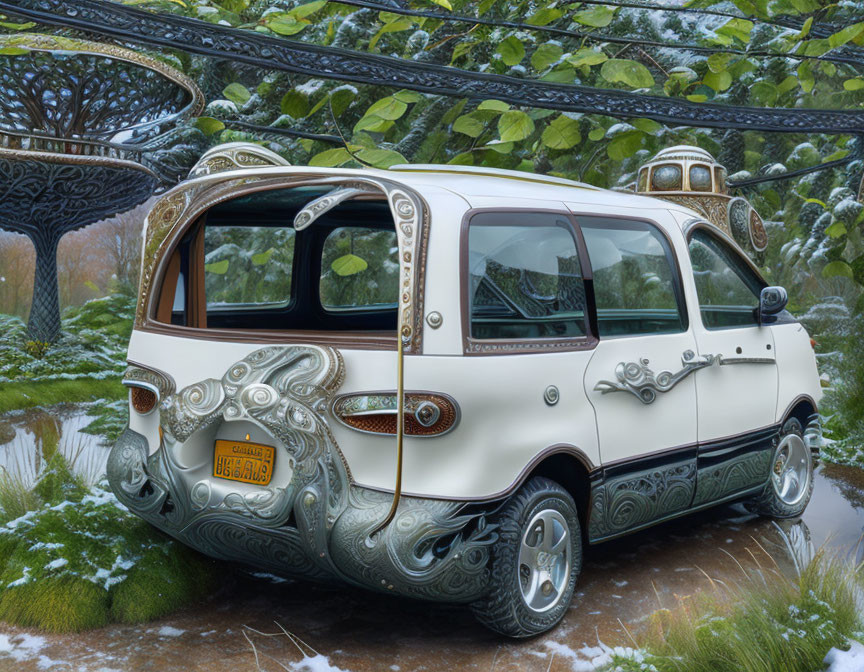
point(359, 268)
point(525, 280)
point(247, 266)
point(635, 282)
point(727, 287)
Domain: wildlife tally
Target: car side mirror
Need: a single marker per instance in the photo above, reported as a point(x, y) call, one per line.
point(772, 300)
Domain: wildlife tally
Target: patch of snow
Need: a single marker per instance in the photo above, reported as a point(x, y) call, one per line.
point(846, 661)
point(168, 631)
point(21, 647)
point(57, 564)
point(317, 663)
point(310, 87)
point(20, 582)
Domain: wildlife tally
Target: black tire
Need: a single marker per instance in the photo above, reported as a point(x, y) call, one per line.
point(769, 503)
point(504, 609)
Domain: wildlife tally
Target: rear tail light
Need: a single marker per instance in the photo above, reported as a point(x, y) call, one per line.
point(426, 413)
point(143, 399)
point(813, 343)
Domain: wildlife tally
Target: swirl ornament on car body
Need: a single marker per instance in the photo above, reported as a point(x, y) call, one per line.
point(312, 523)
point(638, 379)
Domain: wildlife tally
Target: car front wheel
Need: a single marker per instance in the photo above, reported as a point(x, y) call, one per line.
point(535, 562)
point(791, 482)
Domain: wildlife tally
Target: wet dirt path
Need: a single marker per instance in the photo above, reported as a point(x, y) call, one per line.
point(623, 582)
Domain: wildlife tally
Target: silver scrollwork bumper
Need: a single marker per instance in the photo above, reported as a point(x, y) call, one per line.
point(316, 524)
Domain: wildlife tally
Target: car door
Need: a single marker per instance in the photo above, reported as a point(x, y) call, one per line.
point(638, 379)
point(737, 397)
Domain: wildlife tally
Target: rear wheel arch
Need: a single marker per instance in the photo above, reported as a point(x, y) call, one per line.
point(571, 469)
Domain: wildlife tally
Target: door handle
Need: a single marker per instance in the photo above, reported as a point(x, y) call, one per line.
point(638, 379)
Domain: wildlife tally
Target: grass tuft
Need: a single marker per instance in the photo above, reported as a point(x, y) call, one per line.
point(62, 604)
point(766, 624)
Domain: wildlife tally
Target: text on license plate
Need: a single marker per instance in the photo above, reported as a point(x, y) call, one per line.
point(243, 461)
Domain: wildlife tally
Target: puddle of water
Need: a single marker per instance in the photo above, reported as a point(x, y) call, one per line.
point(623, 582)
point(29, 437)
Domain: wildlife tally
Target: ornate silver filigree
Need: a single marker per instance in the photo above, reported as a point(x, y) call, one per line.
point(235, 156)
point(324, 204)
point(640, 381)
point(162, 384)
point(311, 523)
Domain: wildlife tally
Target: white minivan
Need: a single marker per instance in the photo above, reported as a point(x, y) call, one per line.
point(443, 382)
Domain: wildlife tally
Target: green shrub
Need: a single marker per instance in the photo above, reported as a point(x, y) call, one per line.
point(85, 561)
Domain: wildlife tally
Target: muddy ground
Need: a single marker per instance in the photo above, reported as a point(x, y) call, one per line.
point(622, 583)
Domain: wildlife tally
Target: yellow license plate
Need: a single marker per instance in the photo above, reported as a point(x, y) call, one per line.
point(243, 461)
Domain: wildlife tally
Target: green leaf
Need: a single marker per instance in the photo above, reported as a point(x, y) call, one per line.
point(218, 267)
point(805, 77)
point(846, 35)
point(511, 50)
point(14, 51)
point(494, 105)
point(648, 126)
point(597, 134)
point(837, 268)
point(237, 93)
point(341, 100)
point(262, 257)
point(330, 158)
point(719, 62)
point(285, 24)
point(598, 16)
point(805, 29)
point(408, 97)
point(17, 26)
point(499, 147)
point(515, 125)
point(737, 28)
point(624, 71)
point(625, 145)
point(381, 158)
point(719, 81)
point(349, 264)
point(814, 47)
point(443, 3)
point(470, 125)
point(390, 108)
point(295, 104)
point(587, 57)
point(544, 17)
point(307, 9)
point(697, 98)
point(764, 93)
point(854, 84)
point(396, 26)
point(836, 230)
point(209, 125)
point(561, 133)
point(545, 55)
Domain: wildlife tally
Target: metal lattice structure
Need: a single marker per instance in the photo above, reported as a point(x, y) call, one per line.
point(275, 53)
point(76, 121)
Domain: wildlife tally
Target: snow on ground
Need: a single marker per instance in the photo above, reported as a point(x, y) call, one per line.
point(168, 631)
point(846, 661)
point(317, 663)
point(26, 647)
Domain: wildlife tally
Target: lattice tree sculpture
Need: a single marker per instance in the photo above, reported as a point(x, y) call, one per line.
point(77, 120)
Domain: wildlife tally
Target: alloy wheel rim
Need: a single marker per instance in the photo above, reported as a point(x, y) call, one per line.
point(790, 473)
point(544, 560)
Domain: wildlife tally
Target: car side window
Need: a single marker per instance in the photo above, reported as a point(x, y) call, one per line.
point(727, 288)
point(524, 277)
point(637, 288)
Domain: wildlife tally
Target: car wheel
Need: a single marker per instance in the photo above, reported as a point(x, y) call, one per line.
point(790, 486)
point(535, 562)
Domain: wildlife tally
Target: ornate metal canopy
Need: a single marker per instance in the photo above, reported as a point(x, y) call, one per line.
point(77, 120)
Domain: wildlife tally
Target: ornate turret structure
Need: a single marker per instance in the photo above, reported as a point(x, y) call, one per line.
point(691, 177)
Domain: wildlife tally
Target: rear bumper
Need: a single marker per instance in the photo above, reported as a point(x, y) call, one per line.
point(315, 527)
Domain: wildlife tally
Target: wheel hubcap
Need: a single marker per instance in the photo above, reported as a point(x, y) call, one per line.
point(544, 560)
point(790, 474)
